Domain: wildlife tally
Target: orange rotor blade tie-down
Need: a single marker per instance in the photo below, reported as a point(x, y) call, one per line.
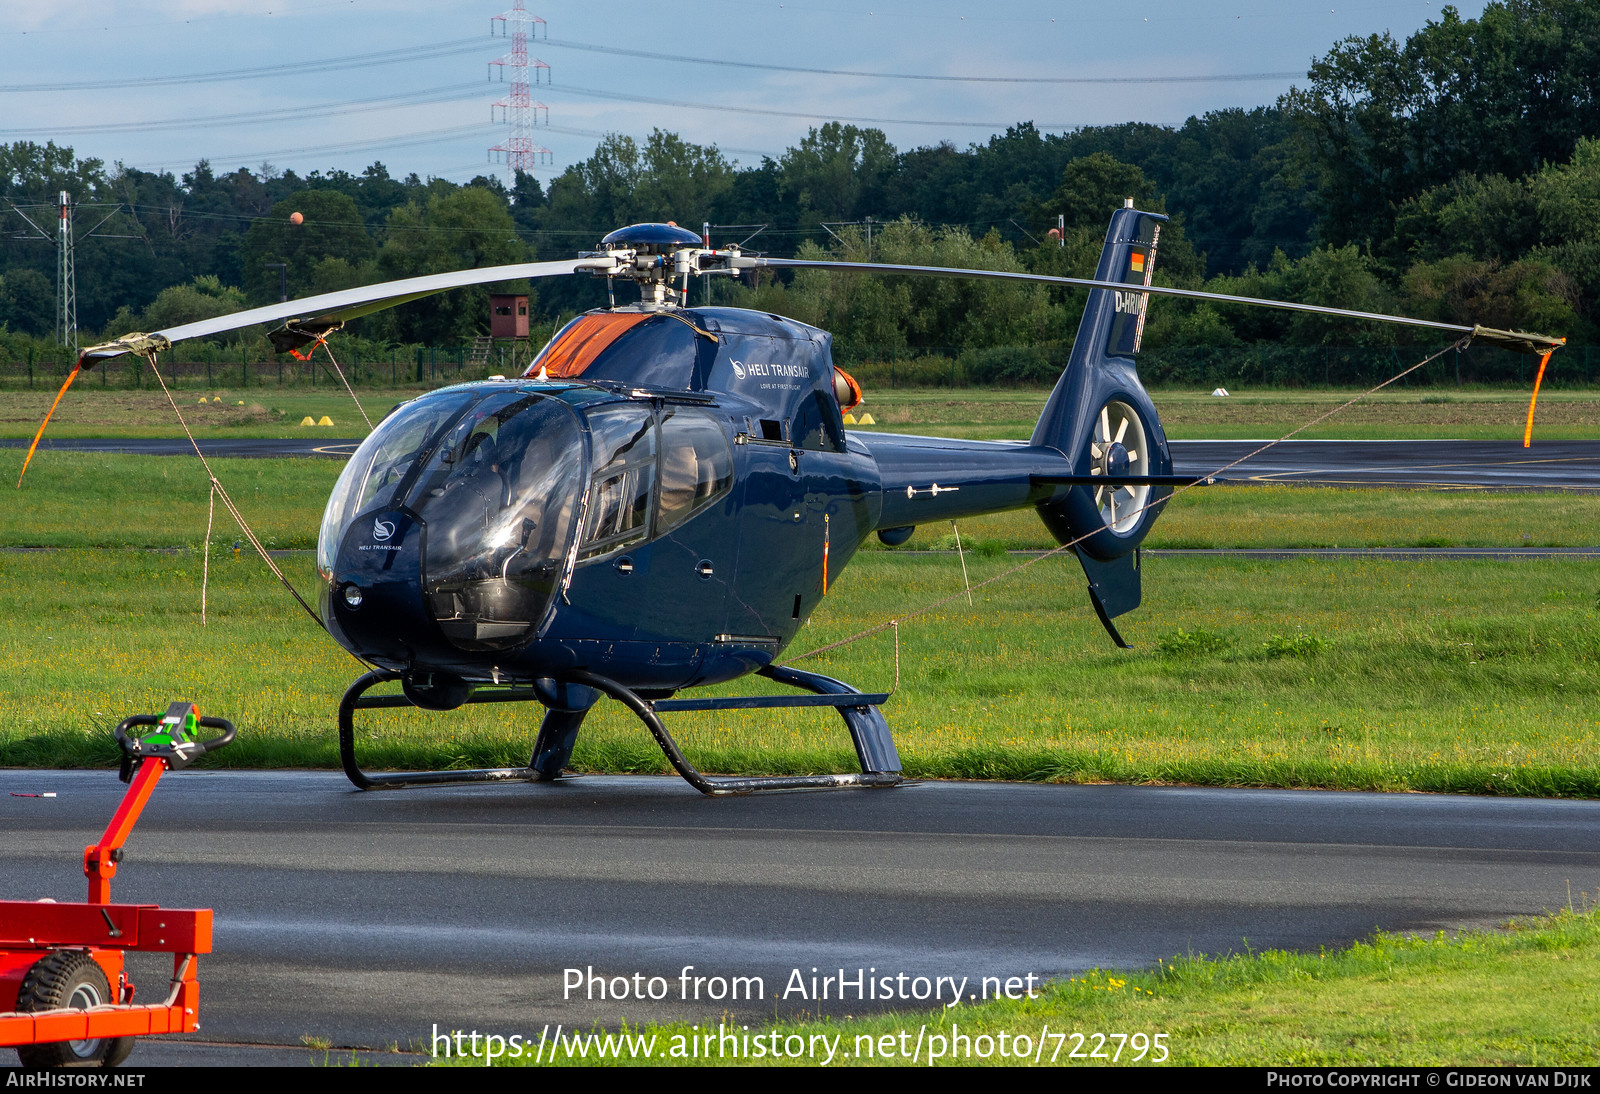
point(1527, 432)
point(71, 376)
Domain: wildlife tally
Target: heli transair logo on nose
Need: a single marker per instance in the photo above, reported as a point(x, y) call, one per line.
point(382, 531)
point(742, 369)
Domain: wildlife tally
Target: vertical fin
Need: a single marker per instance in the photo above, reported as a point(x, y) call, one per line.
point(1111, 330)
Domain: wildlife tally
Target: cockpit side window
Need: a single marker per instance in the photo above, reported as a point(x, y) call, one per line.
point(652, 473)
point(623, 440)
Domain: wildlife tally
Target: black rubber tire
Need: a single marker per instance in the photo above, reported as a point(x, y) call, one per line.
point(69, 978)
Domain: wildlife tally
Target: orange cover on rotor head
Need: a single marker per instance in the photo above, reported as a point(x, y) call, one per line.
point(575, 348)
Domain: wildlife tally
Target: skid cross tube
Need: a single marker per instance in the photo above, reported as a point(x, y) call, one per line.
point(880, 762)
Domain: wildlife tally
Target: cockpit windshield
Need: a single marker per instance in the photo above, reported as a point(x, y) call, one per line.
point(379, 467)
point(499, 497)
point(495, 481)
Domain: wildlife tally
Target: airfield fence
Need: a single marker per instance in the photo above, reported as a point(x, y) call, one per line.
point(426, 367)
point(1275, 366)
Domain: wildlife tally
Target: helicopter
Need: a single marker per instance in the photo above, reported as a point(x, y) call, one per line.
point(660, 501)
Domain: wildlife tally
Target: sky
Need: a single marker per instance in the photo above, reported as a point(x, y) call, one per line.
point(320, 84)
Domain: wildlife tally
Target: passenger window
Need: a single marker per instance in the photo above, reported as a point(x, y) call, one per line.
point(696, 465)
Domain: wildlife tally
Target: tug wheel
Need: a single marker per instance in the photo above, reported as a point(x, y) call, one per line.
point(69, 978)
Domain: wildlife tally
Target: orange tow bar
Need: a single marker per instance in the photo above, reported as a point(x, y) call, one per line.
point(65, 998)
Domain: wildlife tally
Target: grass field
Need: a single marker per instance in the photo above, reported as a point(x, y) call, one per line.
point(74, 499)
point(1471, 413)
point(1471, 676)
point(81, 500)
point(1522, 996)
point(1467, 675)
point(254, 412)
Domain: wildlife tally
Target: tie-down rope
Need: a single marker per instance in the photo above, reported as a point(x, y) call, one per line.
point(967, 592)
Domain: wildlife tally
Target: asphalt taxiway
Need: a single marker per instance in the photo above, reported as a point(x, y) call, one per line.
point(364, 919)
point(1484, 465)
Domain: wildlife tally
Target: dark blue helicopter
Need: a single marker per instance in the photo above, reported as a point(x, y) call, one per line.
point(661, 501)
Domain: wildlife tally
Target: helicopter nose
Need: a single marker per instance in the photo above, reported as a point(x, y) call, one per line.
point(376, 587)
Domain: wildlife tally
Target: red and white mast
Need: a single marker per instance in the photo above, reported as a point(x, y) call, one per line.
point(519, 109)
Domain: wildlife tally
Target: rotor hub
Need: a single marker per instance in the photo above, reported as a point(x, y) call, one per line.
point(1116, 460)
point(655, 256)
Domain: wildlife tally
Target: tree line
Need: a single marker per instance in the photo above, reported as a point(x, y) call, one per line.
point(1452, 176)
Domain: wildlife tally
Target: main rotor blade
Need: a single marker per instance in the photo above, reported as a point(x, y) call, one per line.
point(1518, 341)
point(331, 309)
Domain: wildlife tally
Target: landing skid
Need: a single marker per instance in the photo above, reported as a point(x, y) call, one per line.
point(880, 762)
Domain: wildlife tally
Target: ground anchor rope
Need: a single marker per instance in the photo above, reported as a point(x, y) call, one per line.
point(339, 372)
point(219, 491)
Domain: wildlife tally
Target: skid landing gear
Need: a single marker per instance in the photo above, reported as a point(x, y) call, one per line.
point(568, 701)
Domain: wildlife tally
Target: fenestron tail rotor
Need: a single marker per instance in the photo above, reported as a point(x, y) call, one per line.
point(1119, 448)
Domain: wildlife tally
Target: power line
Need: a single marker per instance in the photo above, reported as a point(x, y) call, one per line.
point(430, 136)
point(327, 64)
point(1237, 77)
point(456, 47)
point(443, 94)
point(813, 115)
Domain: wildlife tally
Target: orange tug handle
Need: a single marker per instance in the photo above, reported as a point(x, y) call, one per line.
point(1527, 433)
point(71, 376)
point(100, 860)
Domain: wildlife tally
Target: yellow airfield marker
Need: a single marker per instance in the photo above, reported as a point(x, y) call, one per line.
point(868, 419)
point(849, 419)
point(325, 420)
point(306, 421)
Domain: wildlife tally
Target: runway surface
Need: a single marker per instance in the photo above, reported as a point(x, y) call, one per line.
point(366, 918)
point(1500, 465)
